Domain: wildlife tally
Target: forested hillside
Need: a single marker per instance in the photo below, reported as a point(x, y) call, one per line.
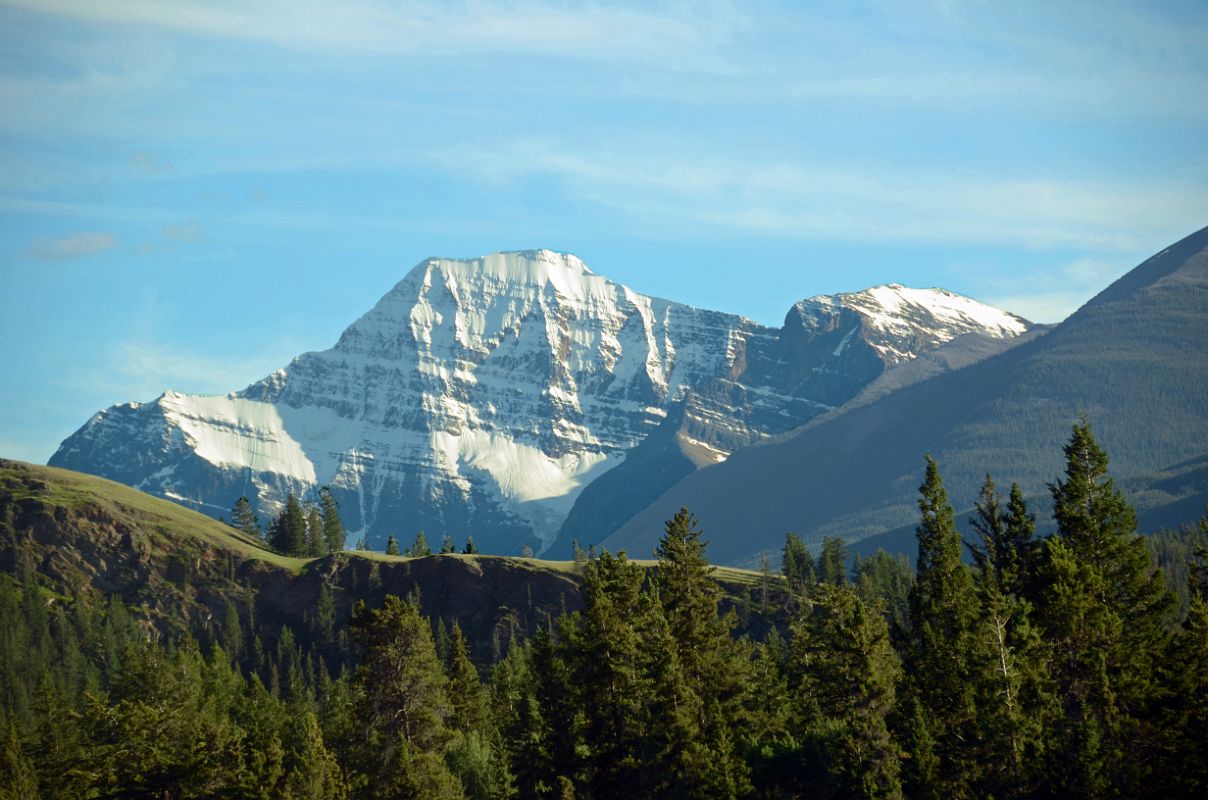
point(1053, 667)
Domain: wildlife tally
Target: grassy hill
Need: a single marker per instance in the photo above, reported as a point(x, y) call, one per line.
point(82, 536)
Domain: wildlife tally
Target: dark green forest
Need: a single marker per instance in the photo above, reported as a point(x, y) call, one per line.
point(1069, 666)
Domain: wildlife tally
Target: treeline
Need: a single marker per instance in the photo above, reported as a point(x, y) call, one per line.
point(305, 529)
point(1051, 667)
point(302, 529)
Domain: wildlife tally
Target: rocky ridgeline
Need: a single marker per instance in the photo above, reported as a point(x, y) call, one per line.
point(507, 397)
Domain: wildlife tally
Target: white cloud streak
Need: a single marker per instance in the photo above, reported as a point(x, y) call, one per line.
point(67, 248)
point(856, 202)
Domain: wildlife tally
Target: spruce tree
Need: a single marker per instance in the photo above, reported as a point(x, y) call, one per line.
point(796, 564)
point(392, 546)
point(468, 699)
point(1183, 769)
point(832, 561)
point(420, 548)
point(402, 703)
point(846, 692)
point(712, 664)
point(470, 548)
point(612, 672)
point(446, 545)
point(939, 653)
point(333, 527)
point(1105, 610)
point(316, 545)
point(244, 518)
point(289, 530)
point(1011, 685)
point(559, 699)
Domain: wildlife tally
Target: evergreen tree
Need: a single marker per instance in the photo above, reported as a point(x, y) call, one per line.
point(832, 561)
point(612, 670)
point(939, 652)
point(470, 548)
point(711, 663)
point(316, 545)
point(392, 546)
point(845, 694)
point(796, 564)
point(289, 531)
point(1104, 609)
point(420, 548)
point(559, 700)
point(469, 701)
point(333, 527)
point(244, 518)
point(446, 545)
point(1183, 769)
point(402, 703)
point(886, 581)
point(1012, 687)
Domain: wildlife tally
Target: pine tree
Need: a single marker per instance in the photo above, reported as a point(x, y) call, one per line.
point(612, 670)
point(1012, 687)
point(1183, 769)
point(468, 699)
point(796, 564)
point(1104, 609)
point(939, 653)
point(845, 694)
point(392, 546)
point(289, 531)
point(420, 548)
point(710, 661)
point(333, 527)
point(315, 543)
point(470, 547)
point(244, 518)
point(402, 703)
point(832, 561)
point(446, 545)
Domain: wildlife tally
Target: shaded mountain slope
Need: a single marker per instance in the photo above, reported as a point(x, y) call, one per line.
point(1135, 359)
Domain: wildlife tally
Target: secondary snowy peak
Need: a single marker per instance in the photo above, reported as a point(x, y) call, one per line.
point(899, 322)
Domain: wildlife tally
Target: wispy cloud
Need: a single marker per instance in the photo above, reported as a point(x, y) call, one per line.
point(77, 245)
point(143, 370)
point(1052, 293)
point(404, 27)
point(676, 191)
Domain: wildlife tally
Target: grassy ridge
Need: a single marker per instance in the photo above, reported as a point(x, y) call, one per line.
point(78, 492)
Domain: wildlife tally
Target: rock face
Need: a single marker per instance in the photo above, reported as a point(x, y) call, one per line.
point(480, 397)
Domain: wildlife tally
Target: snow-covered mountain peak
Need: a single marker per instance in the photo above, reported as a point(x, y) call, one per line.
point(901, 321)
point(483, 395)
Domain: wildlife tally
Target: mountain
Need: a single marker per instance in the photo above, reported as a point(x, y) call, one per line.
point(482, 396)
point(1134, 359)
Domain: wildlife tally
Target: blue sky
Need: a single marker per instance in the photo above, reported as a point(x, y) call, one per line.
point(193, 193)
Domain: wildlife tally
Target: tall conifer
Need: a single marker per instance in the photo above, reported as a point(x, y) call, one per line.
point(939, 654)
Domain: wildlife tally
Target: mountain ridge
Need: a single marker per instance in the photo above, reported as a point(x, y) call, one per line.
point(1133, 358)
point(483, 396)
